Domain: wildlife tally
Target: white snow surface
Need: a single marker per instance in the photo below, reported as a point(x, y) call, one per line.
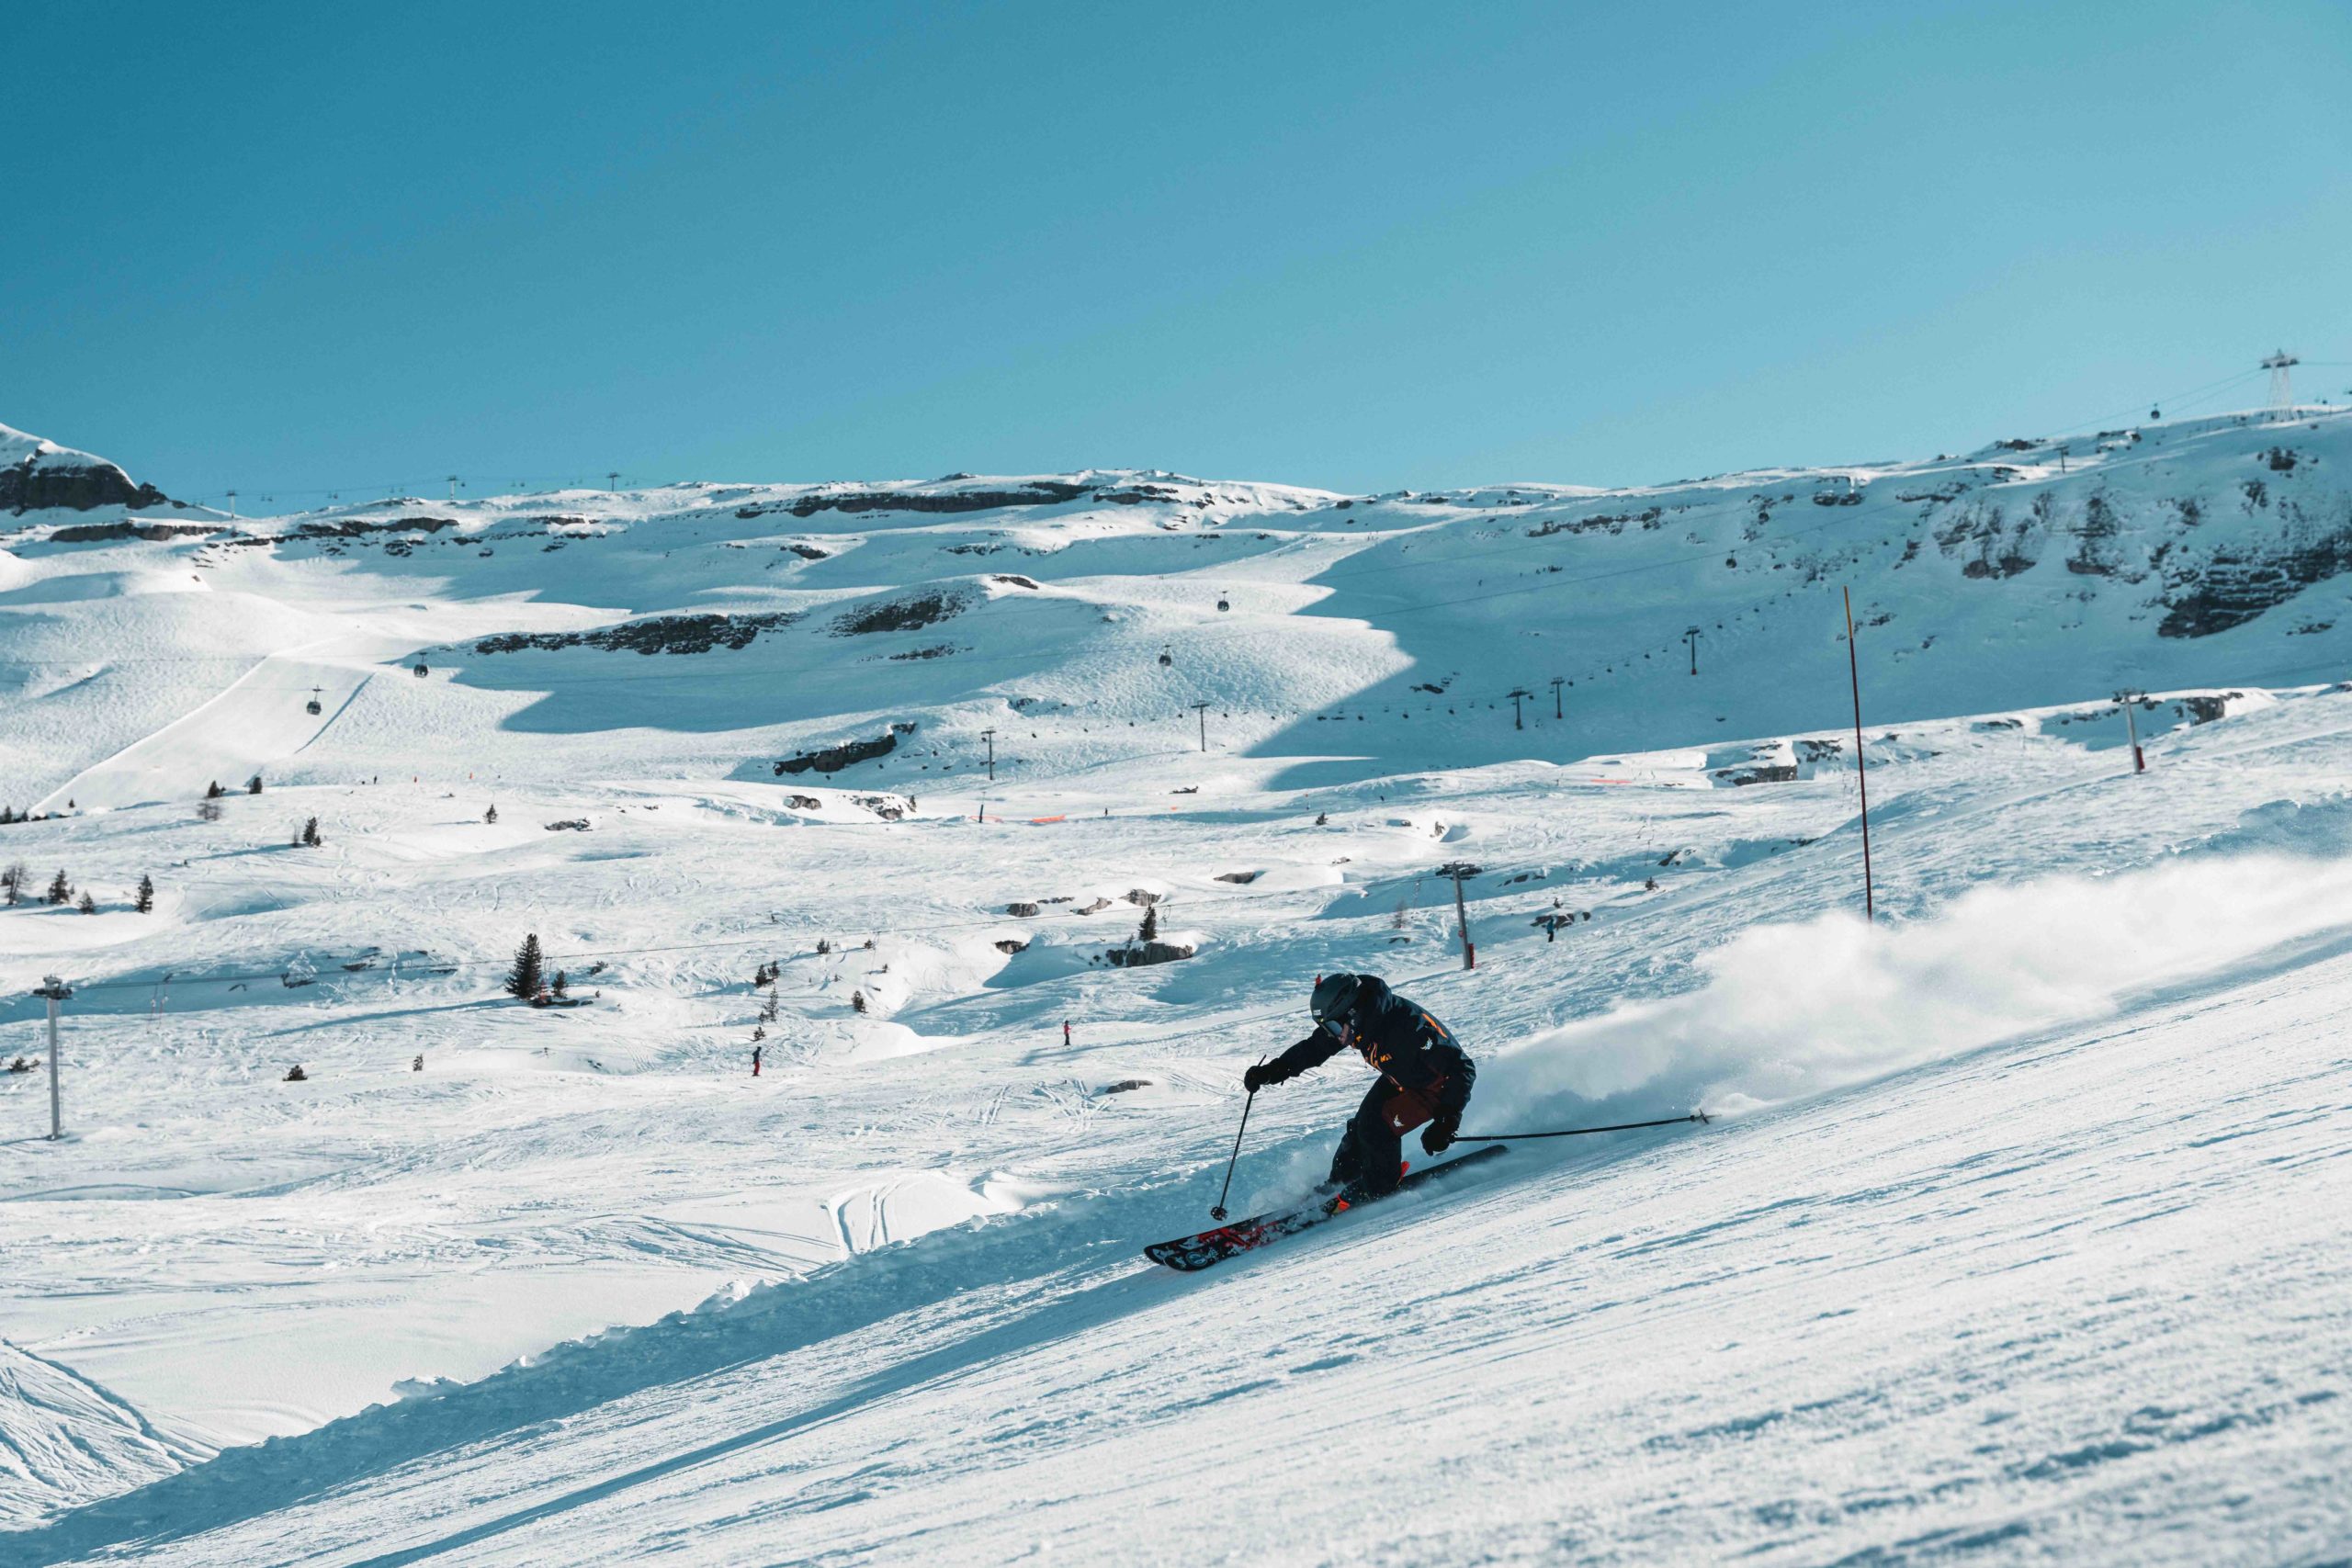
point(16, 446)
point(2018, 1233)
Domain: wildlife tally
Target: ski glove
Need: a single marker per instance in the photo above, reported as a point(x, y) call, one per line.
point(1257, 1078)
point(1438, 1137)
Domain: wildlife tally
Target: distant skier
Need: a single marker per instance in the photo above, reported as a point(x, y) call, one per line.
point(1065, 1032)
point(756, 1059)
point(1424, 1077)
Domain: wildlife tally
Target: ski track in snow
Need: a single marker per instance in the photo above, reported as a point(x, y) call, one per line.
point(2021, 1234)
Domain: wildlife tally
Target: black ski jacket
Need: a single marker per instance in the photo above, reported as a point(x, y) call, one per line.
point(1400, 1041)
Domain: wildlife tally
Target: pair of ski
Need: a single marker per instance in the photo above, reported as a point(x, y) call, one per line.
point(1189, 1253)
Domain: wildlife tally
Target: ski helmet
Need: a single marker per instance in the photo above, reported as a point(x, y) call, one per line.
point(1335, 996)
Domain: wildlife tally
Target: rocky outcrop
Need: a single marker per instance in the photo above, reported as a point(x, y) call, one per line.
point(2237, 583)
point(1990, 543)
point(352, 529)
point(1136, 954)
point(1599, 522)
point(655, 634)
point(1036, 492)
point(106, 533)
point(37, 475)
point(1758, 772)
point(833, 759)
point(905, 614)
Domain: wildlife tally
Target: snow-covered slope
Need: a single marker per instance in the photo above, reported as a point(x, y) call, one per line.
point(2019, 1231)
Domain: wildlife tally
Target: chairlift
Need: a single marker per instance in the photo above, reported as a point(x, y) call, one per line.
point(2155, 414)
point(421, 670)
point(312, 705)
point(1223, 602)
point(1166, 656)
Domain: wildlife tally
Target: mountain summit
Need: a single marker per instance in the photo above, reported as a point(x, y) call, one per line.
point(37, 475)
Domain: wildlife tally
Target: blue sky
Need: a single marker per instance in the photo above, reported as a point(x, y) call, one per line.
point(1366, 246)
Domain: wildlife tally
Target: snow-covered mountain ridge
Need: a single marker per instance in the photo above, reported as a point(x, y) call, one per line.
point(2187, 555)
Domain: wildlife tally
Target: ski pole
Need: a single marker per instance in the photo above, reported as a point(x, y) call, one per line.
point(1218, 1213)
point(1578, 1132)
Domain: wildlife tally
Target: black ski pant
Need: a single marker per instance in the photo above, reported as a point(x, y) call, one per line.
point(1369, 1159)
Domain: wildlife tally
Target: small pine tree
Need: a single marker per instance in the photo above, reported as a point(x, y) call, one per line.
point(59, 889)
point(561, 984)
point(824, 945)
point(1322, 819)
point(216, 792)
point(253, 785)
point(1149, 931)
point(208, 810)
point(12, 883)
point(310, 834)
point(758, 1035)
point(7, 816)
point(775, 1006)
point(491, 815)
point(144, 899)
point(523, 980)
point(88, 905)
point(857, 1001)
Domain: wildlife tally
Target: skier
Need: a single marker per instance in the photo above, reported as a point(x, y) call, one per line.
point(1424, 1077)
point(1065, 1032)
point(756, 1059)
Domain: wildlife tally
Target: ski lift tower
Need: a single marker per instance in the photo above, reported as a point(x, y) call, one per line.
point(54, 991)
point(2282, 390)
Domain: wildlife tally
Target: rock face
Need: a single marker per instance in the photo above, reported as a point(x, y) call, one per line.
point(2237, 583)
point(833, 759)
point(652, 633)
point(906, 613)
point(1136, 954)
point(1036, 492)
point(107, 532)
point(36, 475)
